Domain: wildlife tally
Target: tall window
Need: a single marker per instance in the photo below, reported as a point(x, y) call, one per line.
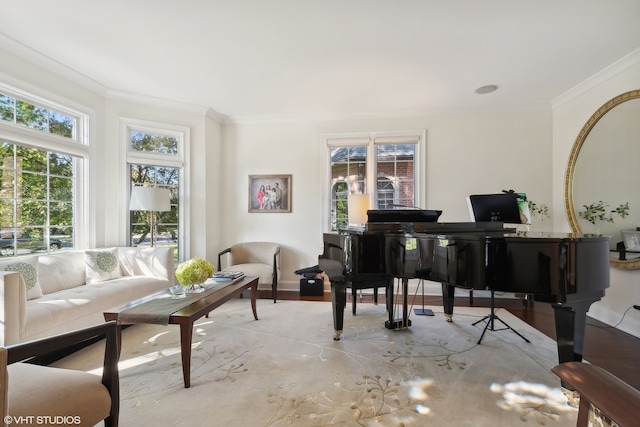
point(155, 158)
point(39, 173)
point(349, 176)
point(396, 177)
point(391, 157)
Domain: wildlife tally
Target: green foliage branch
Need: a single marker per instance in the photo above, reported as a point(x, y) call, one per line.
point(600, 212)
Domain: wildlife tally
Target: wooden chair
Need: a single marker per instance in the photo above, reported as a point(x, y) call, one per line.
point(260, 259)
point(603, 396)
point(61, 396)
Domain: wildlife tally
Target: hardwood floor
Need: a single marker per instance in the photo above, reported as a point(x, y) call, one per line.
point(605, 346)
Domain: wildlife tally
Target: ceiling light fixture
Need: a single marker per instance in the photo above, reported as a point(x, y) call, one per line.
point(486, 89)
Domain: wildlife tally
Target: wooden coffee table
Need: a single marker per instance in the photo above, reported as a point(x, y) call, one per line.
point(186, 316)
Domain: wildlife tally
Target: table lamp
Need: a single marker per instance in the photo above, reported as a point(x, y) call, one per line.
point(150, 199)
point(357, 207)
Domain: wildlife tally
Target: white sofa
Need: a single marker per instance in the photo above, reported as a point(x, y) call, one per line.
point(70, 293)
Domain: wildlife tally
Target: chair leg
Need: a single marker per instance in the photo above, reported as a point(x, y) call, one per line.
point(354, 297)
point(375, 296)
point(274, 290)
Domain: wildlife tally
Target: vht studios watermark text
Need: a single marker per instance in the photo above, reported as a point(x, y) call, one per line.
point(62, 420)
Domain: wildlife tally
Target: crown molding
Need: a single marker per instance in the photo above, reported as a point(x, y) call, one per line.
point(621, 65)
point(164, 103)
point(55, 67)
point(38, 59)
point(382, 115)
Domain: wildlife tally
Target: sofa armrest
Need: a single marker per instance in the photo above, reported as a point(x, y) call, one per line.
point(614, 398)
point(225, 251)
point(13, 307)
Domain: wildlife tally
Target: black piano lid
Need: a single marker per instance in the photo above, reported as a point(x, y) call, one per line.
point(515, 236)
point(403, 215)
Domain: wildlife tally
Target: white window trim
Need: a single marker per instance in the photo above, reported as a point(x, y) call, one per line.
point(183, 135)
point(49, 101)
point(79, 147)
point(370, 139)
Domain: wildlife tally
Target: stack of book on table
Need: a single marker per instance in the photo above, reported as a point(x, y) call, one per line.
point(222, 276)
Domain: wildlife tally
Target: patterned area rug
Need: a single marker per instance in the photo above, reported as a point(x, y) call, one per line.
point(285, 369)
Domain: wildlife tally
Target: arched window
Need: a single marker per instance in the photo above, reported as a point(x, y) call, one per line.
point(339, 212)
point(386, 194)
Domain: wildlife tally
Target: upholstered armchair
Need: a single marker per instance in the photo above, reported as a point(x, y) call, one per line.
point(605, 400)
point(53, 396)
point(260, 259)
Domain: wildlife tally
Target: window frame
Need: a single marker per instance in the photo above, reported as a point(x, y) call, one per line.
point(370, 140)
point(78, 147)
point(50, 102)
point(182, 134)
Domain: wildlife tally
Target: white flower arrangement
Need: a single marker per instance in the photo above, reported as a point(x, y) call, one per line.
point(194, 271)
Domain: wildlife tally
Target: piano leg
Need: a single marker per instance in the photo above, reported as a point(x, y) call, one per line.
point(570, 326)
point(339, 301)
point(448, 294)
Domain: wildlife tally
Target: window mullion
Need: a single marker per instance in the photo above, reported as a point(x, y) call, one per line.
point(372, 173)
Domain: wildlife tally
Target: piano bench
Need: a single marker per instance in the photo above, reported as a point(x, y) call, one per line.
point(602, 395)
point(374, 284)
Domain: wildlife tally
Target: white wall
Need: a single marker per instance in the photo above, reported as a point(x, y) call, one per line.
point(569, 116)
point(465, 154)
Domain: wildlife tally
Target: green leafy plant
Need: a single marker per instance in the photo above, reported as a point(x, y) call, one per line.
point(193, 271)
point(538, 210)
point(600, 212)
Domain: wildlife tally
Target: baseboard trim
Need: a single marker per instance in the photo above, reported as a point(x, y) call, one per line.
point(615, 320)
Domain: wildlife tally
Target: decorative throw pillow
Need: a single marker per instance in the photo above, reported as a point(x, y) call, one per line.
point(28, 268)
point(102, 265)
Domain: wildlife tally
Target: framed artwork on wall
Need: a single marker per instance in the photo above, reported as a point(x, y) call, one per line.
point(269, 193)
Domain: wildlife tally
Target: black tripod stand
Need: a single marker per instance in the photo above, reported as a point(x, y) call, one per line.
point(491, 318)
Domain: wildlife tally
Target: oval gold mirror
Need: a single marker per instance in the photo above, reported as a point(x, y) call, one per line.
point(604, 168)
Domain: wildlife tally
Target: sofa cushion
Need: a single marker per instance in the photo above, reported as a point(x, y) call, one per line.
point(263, 271)
point(61, 270)
point(28, 268)
point(84, 305)
point(102, 265)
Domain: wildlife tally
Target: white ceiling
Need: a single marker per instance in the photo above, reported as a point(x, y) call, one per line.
point(259, 59)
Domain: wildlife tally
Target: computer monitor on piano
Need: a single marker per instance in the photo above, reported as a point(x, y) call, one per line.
point(507, 207)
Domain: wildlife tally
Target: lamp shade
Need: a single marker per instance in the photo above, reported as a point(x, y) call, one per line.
point(154, 199)
point(357, 207)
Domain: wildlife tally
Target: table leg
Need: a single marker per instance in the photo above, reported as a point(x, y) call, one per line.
point(254, 294)
point(186, 333)
point(405, 303)
point(119, 339)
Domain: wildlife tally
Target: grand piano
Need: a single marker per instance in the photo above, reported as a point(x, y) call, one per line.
point(570, 271)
